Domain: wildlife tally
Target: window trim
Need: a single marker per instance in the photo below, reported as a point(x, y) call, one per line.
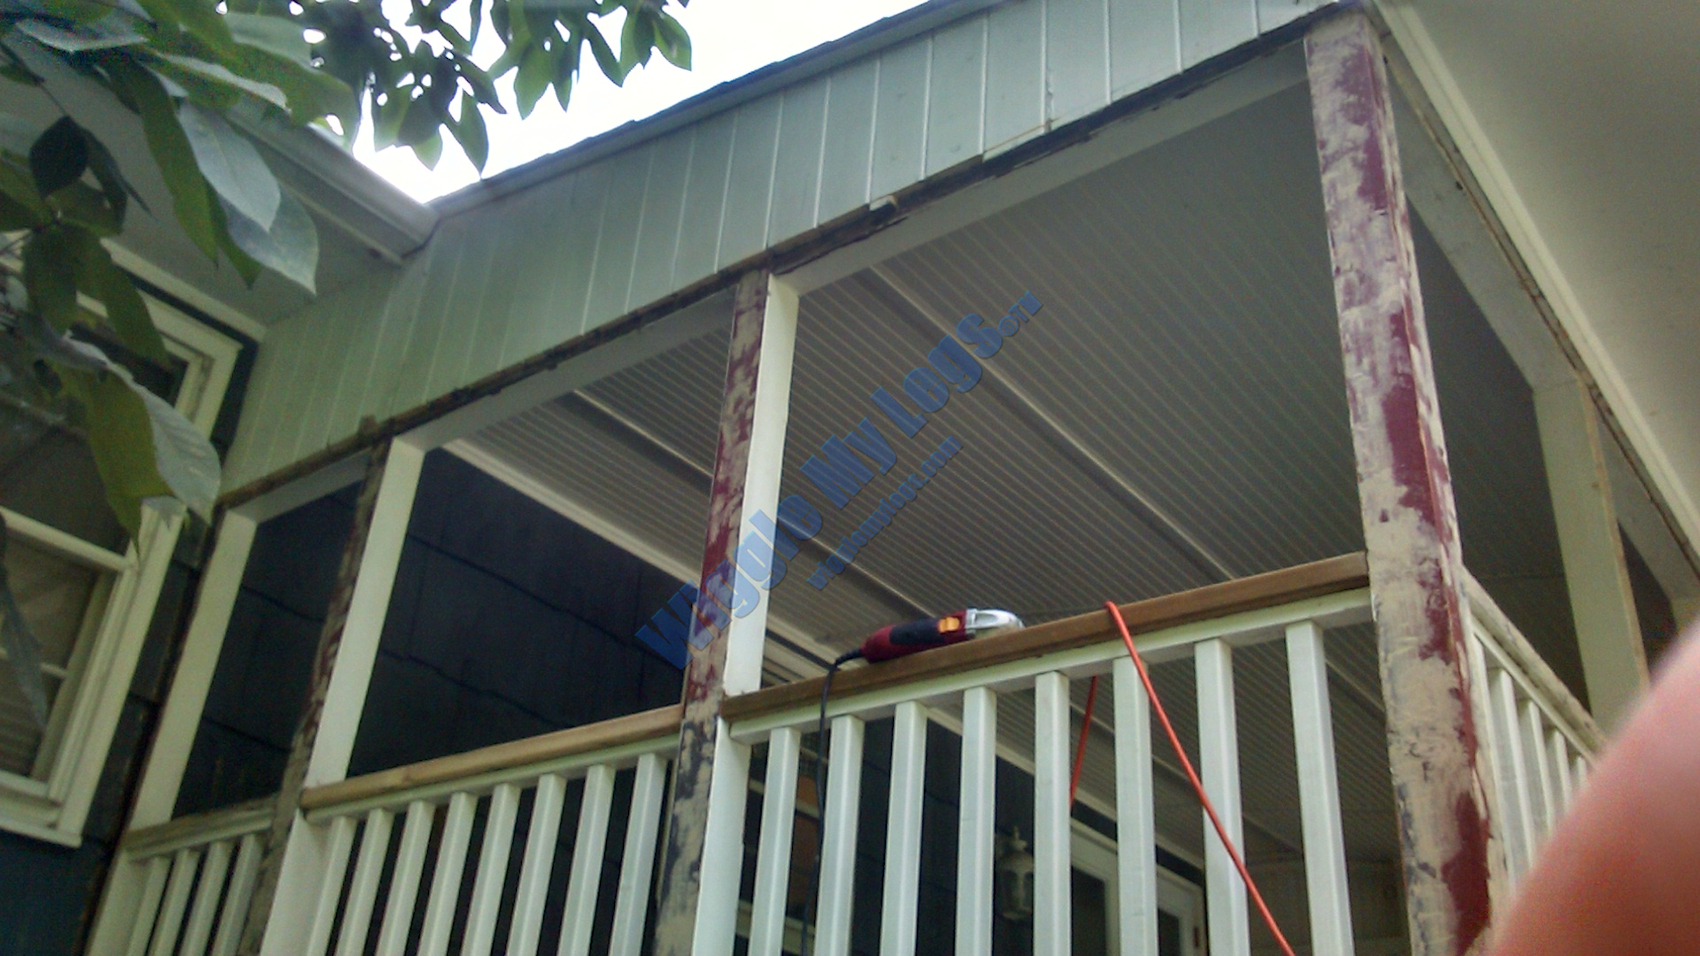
point(56, 809)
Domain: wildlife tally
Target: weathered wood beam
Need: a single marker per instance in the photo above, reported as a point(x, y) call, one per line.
point(1404, 491)
point(702, 859)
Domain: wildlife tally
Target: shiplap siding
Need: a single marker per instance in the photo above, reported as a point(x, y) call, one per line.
point(505, 280)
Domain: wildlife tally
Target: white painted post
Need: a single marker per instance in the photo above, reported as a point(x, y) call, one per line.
point(404, 881)
point(147, 916)
point(723, 847)
point(539, 861)
point(236, 901)
point(207, 893)
point(1052, 834)
point(976, 833)
point(446, 876)
point(1136, 826)
point(903, 830)
point(838, 837)
point(1219, 766)
point(1608, 634)
point(1515, 773)
point(183, 866)
point(336, 846)
point(637, 865)
point(586, 876)
point(363, 889)
point(773, 852)
point(1319, 793)
point(492, 871)
point(156, 797)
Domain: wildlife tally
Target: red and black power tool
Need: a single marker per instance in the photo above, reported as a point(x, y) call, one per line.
point(897, 640)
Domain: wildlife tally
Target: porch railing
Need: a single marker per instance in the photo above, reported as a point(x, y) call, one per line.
point(197, 876)
point(1538, 738)
point(1207, 624)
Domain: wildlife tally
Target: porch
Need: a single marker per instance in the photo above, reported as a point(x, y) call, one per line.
point(549, 843)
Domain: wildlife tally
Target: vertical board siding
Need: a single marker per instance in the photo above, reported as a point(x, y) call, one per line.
point(749, 184)
point(848, 149)
point(1077, 58)
point(695, 247)
point(1145, 43)
point(900, 117)
point(658, 234)
point(956, 116)
point(503, 282)
point(796, 171)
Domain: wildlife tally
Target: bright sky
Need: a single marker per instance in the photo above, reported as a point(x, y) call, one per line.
point(729, 38)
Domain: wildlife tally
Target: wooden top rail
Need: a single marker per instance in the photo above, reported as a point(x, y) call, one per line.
point(196, 829)
point(1534, 667)
point(634, 728)
point(1348, 572)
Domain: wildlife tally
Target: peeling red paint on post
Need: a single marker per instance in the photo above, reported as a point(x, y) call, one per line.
point(1405, 492)
point(680, 878)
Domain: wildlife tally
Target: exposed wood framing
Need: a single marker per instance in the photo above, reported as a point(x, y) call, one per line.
point(1405, 492)
point(307, 728)
point(746, 464)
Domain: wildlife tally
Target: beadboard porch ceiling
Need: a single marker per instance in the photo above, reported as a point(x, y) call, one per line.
point(1173, 416)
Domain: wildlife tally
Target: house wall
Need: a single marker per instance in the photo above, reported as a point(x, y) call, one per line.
point(506, 621)
point(599, 233)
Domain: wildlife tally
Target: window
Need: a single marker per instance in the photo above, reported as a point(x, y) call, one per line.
point(87, 589)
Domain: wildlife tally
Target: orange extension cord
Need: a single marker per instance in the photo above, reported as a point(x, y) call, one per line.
point(1186, 764)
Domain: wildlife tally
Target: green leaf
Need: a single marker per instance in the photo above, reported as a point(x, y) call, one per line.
point(104, 34)
point(389, 119)
point(245, 265)
point(231, 164)
point(126, 313)
point(23, 204)
point(420, 123)
point(106, 171)
point(50, 275)
point(470, 133)
point(637, 39)
point(310, 93)
point(174, 157)
point(218, 73)
point(120, 435)
point(59, 156)
point(199, 18)
point(290, 247)
point(81, 206)
point(278, 36)
point(535, 72)
point(673, 42)
point(605, 57)
point(429, 150)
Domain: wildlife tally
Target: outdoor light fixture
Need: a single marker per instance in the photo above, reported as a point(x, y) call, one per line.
point(1015, 879)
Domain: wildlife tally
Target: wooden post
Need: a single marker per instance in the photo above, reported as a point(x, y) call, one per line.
point(1404, 491)
point(1608, 634)
point(342, 668)
point(703, 853)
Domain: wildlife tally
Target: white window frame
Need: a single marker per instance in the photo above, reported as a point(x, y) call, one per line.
point(54, 806)
point(1094, 854)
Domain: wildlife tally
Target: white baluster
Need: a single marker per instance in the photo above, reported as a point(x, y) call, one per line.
point(492, 871)
point(1560, 756)
point(722, 865)
point(977, 834)
point(341, 846)
point(1319, 792)
point(539, 861)
point(404, 881)
point(363, 889)
point(903, 830)
point(838, 845)
point(213, 872)
point(242, 881)
point(1219, 768)
point(183, 865)
point(1052, 834)
point(446, 876)
point(637, 865)
point(1516, 772)
point(586, 877)
point(1545, 797)
point(147, 915)
point(1136, 827)
point(773, 852)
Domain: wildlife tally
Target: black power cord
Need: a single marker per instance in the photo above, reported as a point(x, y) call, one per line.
point(820, 796)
